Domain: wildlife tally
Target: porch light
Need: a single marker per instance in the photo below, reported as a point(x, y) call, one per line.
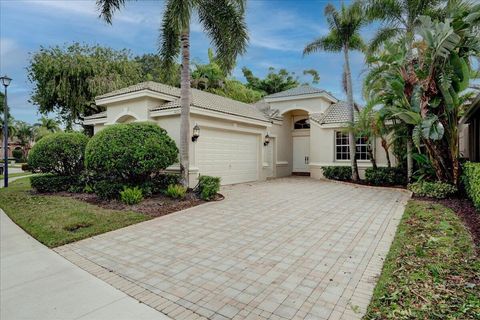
point(266, 141)
point(196, 133)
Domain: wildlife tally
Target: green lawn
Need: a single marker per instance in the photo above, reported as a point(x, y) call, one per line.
point(17, 174)
point(56, 220)
point(431, 271)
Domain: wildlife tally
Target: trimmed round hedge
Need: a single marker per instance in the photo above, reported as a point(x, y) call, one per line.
point(129, 153)
point(59, 153)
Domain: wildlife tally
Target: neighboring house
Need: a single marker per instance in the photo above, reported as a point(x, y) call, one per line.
point(13, 144)
point(304, 128)
point(470, 132)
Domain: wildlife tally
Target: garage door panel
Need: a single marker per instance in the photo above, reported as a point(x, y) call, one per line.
point(230, 155)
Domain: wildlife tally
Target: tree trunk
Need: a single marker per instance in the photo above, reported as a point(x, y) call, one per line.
point(185, 97)
point(387, 154)
point(351, 135)
point(409, 157)
point(372, 158)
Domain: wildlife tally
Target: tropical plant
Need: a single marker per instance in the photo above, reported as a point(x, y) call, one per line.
point(176, 191)
point(344, 25)
point(425, 92)
point(25, 134)
point(131, 196)
point(273, 82)
point(224, 23)
point(365, 126)
point(398, 18)
point(49, 124)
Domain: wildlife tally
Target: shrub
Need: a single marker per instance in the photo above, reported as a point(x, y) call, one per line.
point(385, 176)
point(341, 173)
point(53, 183)
point(25, 167)
point(160, 182)
point(438, 190)
point(131, 196)
point(208, 187)
point(17, 154)
point(129, 153)
point(176, 191)
point(471, 180)
point(59, 153)
point(107, 190)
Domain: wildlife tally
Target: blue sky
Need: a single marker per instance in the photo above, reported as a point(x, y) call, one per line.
point(278, 32)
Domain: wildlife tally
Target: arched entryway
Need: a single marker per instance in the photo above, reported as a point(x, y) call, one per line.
point(300, 129)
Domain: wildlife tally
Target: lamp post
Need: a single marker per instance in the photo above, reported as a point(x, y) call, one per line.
point(6, 82)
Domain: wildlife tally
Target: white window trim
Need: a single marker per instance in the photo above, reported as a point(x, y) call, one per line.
point(335, 150)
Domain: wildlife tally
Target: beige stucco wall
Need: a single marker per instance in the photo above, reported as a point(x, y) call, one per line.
point(322, 152)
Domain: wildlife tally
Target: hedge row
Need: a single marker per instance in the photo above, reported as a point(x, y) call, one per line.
point(471, 180)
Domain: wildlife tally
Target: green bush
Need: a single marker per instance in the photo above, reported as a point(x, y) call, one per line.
point(129, 153)
point(131, 196)
point(17, 154)
point(106, 189)
point(160, 182)
point(208, 187)
point(176, 191)
point(438, 190)
point(53, 183)
point(342, 173)
point(471, 180)
point(385, 176)
point(59, 153)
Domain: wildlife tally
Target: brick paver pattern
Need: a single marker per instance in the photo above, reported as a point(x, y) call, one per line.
point(292, 248)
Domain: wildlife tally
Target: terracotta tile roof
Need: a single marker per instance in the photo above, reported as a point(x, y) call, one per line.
point(147, 85)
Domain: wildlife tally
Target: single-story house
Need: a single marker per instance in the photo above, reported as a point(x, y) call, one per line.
point(470, 131)
point(292, 132)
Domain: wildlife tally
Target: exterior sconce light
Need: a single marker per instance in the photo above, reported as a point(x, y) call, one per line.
point(266, 141)
point(196, 133)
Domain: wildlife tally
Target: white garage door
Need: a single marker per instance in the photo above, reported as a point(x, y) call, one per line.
point(227, 154)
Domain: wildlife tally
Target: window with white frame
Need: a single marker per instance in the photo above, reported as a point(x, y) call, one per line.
point(342, 147)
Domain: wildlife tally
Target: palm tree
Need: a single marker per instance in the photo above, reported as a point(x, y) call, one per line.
point(25, 134)
point(399, 18)
point(224, 23)
point(49, 124)
point(344, 36)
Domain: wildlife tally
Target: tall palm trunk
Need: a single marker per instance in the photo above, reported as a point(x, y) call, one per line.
point(387, 154)
point(351, 135)
point(409, 158)
point(185, 97)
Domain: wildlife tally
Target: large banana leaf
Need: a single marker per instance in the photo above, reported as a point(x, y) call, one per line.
point(432, 128)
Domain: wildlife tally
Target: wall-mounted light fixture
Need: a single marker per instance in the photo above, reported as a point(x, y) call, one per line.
point(266, 141)
point(196, 133)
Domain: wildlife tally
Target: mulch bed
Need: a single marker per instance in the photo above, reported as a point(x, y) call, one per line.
point(466, 211)
point(155, 206)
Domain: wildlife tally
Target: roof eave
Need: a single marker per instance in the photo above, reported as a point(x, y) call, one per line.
point(302, 96)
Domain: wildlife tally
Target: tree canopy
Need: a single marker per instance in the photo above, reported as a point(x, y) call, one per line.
point(67, 79)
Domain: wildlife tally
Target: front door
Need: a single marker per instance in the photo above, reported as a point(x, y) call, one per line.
point(301, 154)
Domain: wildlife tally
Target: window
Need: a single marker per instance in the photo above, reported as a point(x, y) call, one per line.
point(342, 148)
point(302, 124)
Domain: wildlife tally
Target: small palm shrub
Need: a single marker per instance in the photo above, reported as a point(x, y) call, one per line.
point(131, 196)
point(59, 153)
point(176, 191)
point(208, 187)
point(342, 173)
point(471, 180)
point(438, 190)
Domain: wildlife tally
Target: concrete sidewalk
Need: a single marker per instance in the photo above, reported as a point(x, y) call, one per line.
point(37, 283)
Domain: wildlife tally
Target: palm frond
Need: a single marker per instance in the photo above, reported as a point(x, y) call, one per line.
point(383, 35)
point(224, 22)
point(108, 7)
point(331, 42)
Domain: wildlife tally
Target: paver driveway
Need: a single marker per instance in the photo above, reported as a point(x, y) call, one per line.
point(293, 248)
